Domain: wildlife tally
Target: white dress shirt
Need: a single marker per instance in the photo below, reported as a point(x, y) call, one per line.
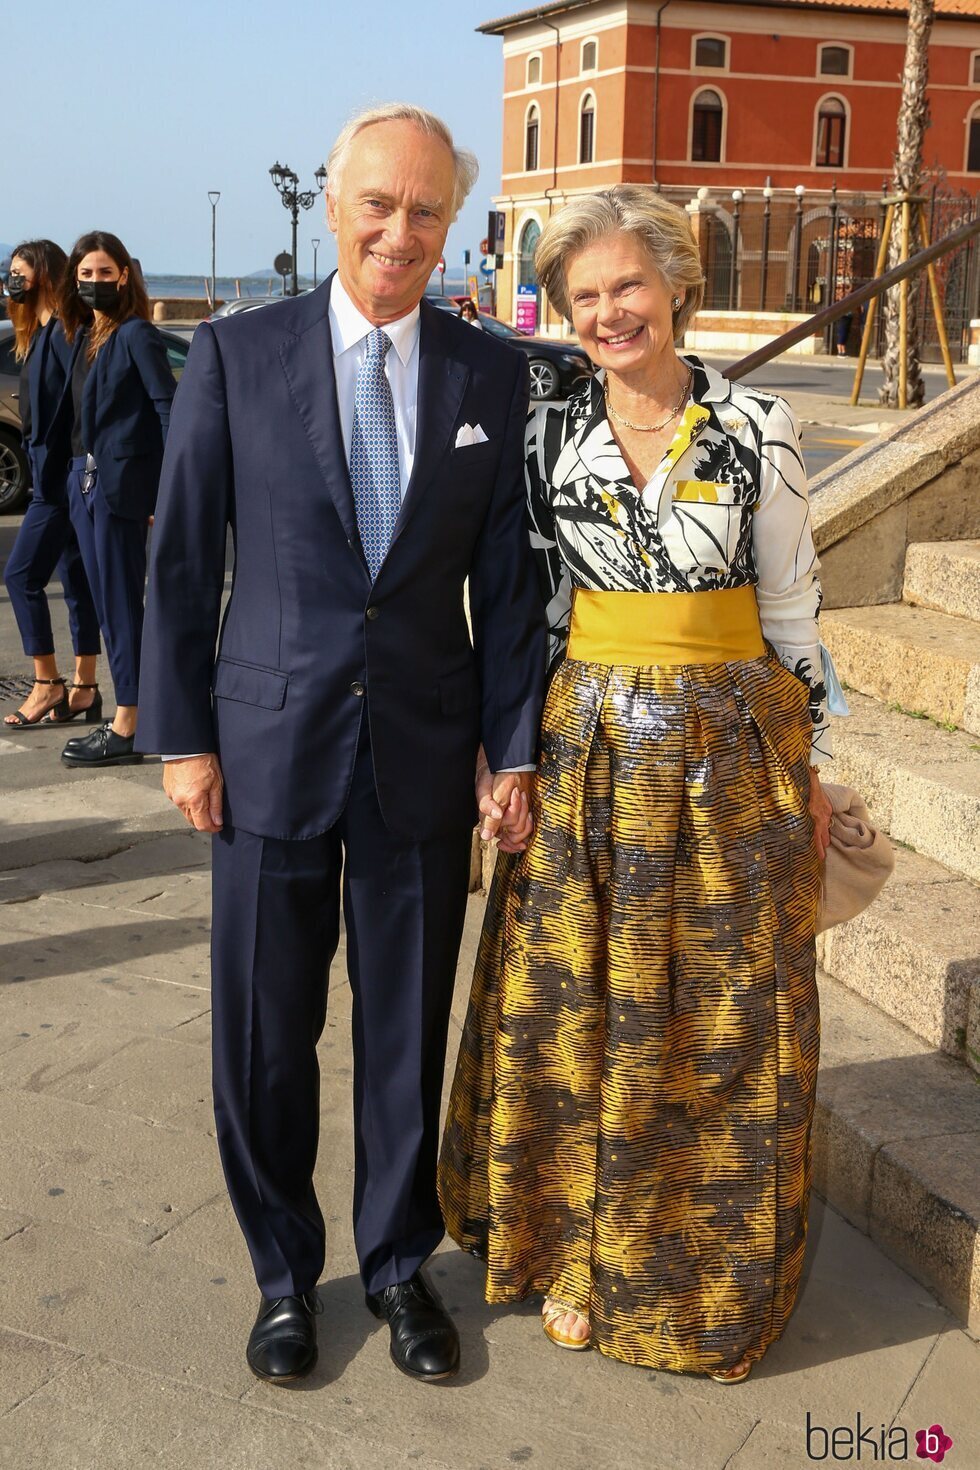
point(349, 330)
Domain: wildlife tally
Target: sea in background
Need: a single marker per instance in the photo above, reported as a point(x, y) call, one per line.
point(259, 284)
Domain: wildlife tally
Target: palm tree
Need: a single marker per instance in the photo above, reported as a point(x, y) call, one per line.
point(913, 119)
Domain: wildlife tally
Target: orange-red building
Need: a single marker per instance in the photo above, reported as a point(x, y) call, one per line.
point(719, 94)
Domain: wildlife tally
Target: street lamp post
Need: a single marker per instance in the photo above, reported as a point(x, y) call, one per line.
point(799, 191)
point(294, 200)
point(737, 197)
point(766, 221)
point(316, 246)
point(213, 195)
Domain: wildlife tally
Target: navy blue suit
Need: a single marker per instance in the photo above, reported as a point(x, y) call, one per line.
point(46, 540)
point(347, 718)
point(125, 413)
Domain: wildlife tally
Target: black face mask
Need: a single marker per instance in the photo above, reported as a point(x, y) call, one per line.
point(99, 295)
point(17, 288)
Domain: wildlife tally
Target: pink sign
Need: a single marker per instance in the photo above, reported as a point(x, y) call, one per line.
point(527, 310)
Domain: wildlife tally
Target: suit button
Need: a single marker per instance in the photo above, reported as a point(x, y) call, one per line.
point(372, 613)
point(357, 688)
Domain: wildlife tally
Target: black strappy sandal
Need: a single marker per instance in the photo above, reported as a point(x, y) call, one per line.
point(19, 721)
point(92, 712)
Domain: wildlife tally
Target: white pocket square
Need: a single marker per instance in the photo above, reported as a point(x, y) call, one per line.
point(470, 434)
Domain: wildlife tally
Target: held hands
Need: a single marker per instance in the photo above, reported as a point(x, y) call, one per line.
point(821, 811)
point(195, 786)
point(504, 805)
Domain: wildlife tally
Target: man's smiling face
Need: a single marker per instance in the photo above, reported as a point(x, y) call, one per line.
point(391, 210)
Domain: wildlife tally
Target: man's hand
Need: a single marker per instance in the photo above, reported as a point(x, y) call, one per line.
point(195, 785)
point(504, 803)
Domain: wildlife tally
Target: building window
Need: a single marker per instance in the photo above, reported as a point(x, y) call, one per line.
point(975, 68)
point(532, 129)
point(835, 61)
point(586, 130)
point(526, 274)
point(711, 51)
point(590, 55)
point(533, 70)
point(973, 144)
point(706, 132)
point(831, 123)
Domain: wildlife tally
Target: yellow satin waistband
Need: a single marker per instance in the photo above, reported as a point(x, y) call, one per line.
point(638, 628)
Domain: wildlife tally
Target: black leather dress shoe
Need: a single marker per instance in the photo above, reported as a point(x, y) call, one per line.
point(424, 1340)
point(102, 748)
point(282, 1344)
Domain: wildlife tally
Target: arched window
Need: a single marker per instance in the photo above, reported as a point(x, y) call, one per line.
point(590, 55)
point(533, 70)
point(835, 61)
point(831, 125)
point(711, 51)
point(973, 141)
point(709, 113)
point(526, 274)
point(532, 129)
point(975, 69)
point(586, 130)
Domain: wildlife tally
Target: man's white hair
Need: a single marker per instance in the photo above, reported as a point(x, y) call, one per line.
point(465, 165)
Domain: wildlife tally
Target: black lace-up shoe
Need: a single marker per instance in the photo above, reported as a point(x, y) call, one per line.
point(102, 748)
point(282, 1344)
point(424, 1340)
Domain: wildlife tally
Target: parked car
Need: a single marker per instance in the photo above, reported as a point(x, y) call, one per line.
point(248, 303)
point(15, 477)
point(556, 366)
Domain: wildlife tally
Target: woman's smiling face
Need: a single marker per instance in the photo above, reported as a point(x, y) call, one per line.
point(620, 304)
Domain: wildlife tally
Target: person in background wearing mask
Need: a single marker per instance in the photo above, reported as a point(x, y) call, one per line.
point(121, 391)
point(46, 539)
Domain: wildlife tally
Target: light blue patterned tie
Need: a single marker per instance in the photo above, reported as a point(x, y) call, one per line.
point(374, 454)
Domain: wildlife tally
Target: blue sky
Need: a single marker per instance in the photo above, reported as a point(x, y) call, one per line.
point(141, 109)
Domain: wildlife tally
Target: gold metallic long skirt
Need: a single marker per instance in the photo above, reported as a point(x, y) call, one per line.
point(629, 1127)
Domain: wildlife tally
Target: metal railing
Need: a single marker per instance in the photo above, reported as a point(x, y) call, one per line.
point(853, 301)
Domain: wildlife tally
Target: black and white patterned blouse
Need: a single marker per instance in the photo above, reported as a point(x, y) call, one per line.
point(726, 507)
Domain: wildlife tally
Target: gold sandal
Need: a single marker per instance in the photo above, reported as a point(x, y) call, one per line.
point(738, 1374)
point(551, 1312)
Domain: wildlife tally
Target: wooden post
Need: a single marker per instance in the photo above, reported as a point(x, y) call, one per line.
point(886, 231)
point(937, 304)
point(903, 311)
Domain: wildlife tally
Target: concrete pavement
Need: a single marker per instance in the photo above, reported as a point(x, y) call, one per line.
point(127, 1292)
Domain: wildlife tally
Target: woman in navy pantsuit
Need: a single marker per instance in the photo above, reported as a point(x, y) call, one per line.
point(46, 540)
point(121, 389)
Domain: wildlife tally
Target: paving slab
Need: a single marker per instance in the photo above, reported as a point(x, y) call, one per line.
point(61, 1161)
point(92, 819)
point(59, 936)
point(26, 1364)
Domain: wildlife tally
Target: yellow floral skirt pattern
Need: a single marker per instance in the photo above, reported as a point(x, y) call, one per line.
point(629, 1128)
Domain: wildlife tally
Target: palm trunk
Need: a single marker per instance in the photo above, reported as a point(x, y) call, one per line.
point(913, 119)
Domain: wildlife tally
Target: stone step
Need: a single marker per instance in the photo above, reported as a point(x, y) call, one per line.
point(925, 662)
point(915, 953)
point(922, 784)
point(944, 575)
point(897, 1146)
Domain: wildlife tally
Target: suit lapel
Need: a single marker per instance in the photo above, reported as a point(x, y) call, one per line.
point(307, 361)
point(442, 383)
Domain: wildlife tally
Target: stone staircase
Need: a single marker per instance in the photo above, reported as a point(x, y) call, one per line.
point(897, 1141)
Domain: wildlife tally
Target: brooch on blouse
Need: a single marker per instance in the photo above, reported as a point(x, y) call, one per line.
point(735, 424)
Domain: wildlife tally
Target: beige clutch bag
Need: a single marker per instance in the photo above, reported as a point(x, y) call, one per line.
point(859, 859)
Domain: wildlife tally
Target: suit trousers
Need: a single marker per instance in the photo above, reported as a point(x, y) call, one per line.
point(276, 924)
point(114, 555)
point(46, 542)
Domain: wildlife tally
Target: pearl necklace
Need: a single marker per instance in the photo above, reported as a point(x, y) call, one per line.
point(649, 428)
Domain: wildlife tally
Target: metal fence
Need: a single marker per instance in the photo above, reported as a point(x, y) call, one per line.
point(797, 250)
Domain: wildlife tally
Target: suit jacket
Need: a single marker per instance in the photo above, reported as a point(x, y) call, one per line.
point(125, 414)
point(47, 374)
point(308, 646)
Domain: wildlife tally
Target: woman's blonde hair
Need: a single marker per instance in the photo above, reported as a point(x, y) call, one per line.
point(662, 228)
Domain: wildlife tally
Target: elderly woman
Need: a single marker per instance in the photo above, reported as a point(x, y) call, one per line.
point(629, 1129)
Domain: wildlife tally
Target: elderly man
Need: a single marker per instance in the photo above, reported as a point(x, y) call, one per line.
point(366, 451)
